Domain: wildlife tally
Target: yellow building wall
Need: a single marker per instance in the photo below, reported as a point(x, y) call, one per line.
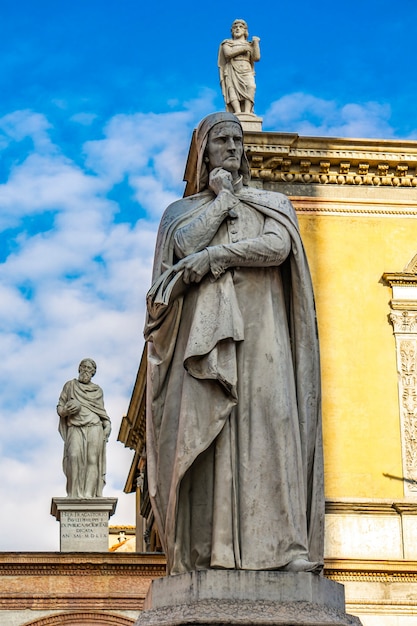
point(348, 255)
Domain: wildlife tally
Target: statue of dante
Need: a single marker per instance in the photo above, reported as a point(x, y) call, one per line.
point(85, 428)
point(236, 66)
point(234, 453)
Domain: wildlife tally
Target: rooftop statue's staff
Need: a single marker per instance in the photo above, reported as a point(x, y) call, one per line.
point(234, 446)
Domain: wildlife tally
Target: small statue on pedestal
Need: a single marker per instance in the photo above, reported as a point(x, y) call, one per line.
point(236, 65)
point(85, 428)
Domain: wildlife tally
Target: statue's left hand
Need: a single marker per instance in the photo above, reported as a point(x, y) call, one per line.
point(195, 267)
point(72, 407)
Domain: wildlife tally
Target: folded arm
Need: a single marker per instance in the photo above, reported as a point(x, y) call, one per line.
point(196, 235)
point(269, 249)
point(231, 50)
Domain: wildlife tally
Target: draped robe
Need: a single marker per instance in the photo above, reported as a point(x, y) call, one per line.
point(234, 446)
point(83, 437)
point(237, 75)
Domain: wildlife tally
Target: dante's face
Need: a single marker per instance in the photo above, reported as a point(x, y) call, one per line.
point(225, 146)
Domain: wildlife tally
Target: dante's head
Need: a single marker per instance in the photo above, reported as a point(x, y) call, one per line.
point(222, 130)
point(239, 27)
point(225, 147)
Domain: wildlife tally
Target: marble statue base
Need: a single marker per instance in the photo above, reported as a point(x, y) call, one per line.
point(250, 122)
point(245, 597)
point(84, 524)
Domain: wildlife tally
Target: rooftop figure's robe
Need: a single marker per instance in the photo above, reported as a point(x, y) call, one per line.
point(236, 67)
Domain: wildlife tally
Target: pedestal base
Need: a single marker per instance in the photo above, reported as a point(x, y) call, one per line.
point(245, 597)
point(84, 524)
point(250, 121)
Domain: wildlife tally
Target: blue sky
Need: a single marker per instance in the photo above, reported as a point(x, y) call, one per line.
point(98, 102)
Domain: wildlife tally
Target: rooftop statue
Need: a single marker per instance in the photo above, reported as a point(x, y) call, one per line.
point(85, 428)
point(236, 61)
point(234, 448)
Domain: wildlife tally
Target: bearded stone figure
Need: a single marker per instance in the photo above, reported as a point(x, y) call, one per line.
point(234, 450)
point(85, 428)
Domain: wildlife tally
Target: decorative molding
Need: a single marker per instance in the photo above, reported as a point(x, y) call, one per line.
point(82, 619)
point(402, 279)
point(381, 610)
point(130, 559)
point(290, 158)
point(404, 322)
point(342, 576)
point(82, 569)
point(71, 603)
point(340, 209)
point(85, 569)
point(403, 317)
point(365, 507)
point(406, 508)
point(407, 349)
point(403, 305)
point(364, 570)
point(78, 564)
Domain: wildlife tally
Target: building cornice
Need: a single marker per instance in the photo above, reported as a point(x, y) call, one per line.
point(290, 158)
point(370, 507)
point(362, 570)
point(81, 564)
point(354, 207)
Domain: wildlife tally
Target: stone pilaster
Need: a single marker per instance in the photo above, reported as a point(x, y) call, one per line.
point(403, 317)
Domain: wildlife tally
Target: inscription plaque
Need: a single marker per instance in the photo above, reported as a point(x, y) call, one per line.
point(83, 523)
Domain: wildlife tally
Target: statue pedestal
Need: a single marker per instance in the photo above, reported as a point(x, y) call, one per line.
point(250, 122)
point(245, 597)
point(84, 524)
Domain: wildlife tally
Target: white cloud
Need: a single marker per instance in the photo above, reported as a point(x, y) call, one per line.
point(46, 183)
point(18, 125)
point(306, 114)
point(133, 143)
point(72, 288)
point(85, 119)
point(149, 150)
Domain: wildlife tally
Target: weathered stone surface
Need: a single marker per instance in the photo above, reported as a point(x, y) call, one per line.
point(244, 612)
point(226, 257)
point(245, 585)
point(245, 597)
